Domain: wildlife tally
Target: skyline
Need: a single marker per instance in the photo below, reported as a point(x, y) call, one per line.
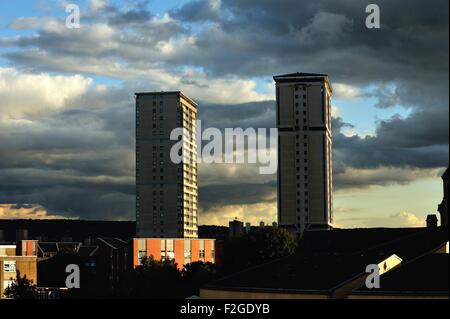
point(66, 92)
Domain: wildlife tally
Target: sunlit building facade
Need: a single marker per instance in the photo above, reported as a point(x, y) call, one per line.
point(166, 192)
point(305, 192)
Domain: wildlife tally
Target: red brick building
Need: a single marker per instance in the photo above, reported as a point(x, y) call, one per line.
point(182, 250)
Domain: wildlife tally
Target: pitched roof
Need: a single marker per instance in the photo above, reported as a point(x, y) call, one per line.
point(426, 275)
point(327, 259)
point(299, 273)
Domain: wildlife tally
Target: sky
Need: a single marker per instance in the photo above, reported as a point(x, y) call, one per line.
point(67, 106)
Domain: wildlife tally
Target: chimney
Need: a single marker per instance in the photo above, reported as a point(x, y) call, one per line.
point(432, 221)
point(248, 227)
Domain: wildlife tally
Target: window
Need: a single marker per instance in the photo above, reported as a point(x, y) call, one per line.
point(213, 252)
point(163, 249)
point(202, 250)
point(142, 249)
point(170, 254)
point(9, 266)
point(187, 251)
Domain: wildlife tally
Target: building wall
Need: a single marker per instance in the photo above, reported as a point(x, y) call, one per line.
point(166, 194)
point(26, 265)
point(304, 149)
point(7, 250)
point(29, 248)
point(161, 247)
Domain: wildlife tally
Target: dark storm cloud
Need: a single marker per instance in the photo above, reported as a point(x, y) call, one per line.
point(135, 15)
point(80, 161)
point(255, 114)
point(75, 162)
point(242, 193)
point(199, 10)
point(262, 38)
point(278, 36)
point(418, 141)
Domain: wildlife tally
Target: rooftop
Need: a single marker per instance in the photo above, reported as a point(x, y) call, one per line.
point(299, 273)
point(327, 259)
point(300, 75)
point(422, 276)
point(168, 93)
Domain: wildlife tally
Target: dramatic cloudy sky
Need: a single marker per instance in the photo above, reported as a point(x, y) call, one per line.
point(67, 106)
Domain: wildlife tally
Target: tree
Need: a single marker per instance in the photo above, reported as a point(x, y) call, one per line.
point(197, 274)
point(157, 279)
point(21, 288)
point(258, 247)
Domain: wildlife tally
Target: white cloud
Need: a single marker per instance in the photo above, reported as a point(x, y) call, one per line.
point(343, 91)
point(254, 213)
point(407, 219)
point(96, 5)
point(401, 220)
point(335, 111)
point(22, 94)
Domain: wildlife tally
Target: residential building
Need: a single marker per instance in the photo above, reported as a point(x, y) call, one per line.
point(236, 228)
point(182, 251)
point(166, 192)
point(10, 263)
point(305, 192)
